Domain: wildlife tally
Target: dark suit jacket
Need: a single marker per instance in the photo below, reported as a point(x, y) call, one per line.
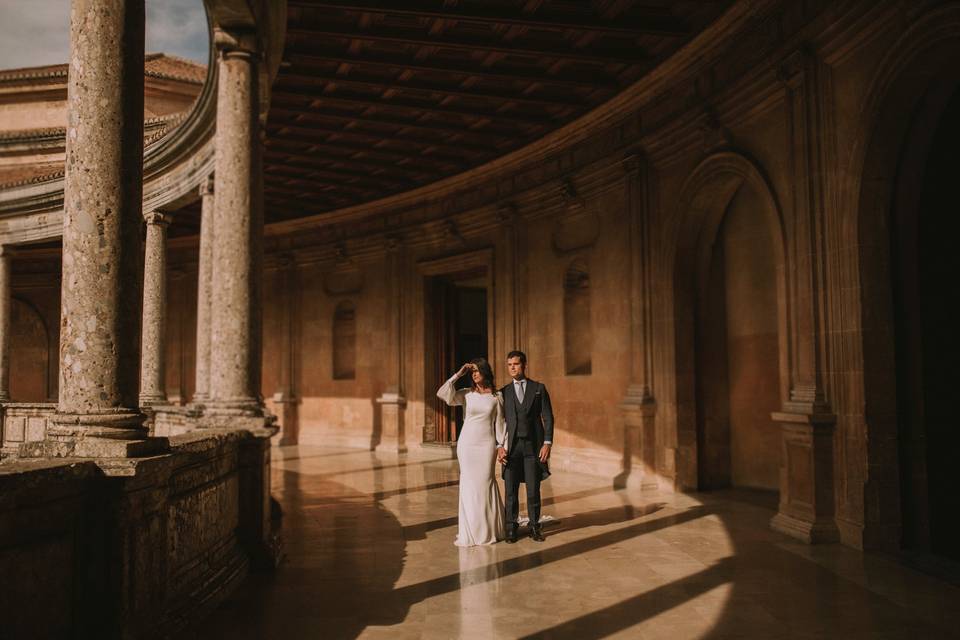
point(539, 415)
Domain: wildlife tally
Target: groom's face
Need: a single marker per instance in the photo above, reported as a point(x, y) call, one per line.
point(515, 367)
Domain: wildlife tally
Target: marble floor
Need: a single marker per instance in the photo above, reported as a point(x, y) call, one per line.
point(369, 554)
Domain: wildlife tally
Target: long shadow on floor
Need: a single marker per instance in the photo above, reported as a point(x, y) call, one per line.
point(419, 531)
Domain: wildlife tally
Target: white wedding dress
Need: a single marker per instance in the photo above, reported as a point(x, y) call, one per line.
point(481, 507)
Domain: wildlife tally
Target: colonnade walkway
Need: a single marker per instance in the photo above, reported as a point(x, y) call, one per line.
point(370, 554)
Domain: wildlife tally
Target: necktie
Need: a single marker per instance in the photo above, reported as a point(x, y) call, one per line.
point(520, 390)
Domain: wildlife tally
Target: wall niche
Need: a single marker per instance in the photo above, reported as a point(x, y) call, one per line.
point(345, 341)
point(577, 326)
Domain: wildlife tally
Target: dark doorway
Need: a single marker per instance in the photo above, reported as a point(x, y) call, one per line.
point(926, 323)
point(457, 331)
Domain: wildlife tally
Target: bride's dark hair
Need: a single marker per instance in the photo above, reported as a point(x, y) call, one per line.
point(486, 371)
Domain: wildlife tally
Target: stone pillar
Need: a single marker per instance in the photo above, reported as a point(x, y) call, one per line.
point(204, 292)
point(97, 413)
point(806, 477)
point(6, 308)
point(153, 342)
point(638, 407)
point(234, 314)
point(285, 400)
point(392, 402)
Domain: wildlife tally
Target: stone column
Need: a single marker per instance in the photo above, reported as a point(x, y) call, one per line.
point(237, 226)
point(806, 475)
point(392, 402)
point(639, 407)
point(285, 401)
point(97, 413)
point(153, 343)
point(204, 292)
point(6, 307)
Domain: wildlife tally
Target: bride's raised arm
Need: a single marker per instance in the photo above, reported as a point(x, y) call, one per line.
point(450, 394)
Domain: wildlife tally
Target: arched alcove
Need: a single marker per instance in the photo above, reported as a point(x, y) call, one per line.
point(731, 326)
point(577, 326)
point(345, 341)
point(29, 355)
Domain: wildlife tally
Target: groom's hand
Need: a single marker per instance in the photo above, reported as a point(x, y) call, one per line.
point(501, 455)
point(544, 453)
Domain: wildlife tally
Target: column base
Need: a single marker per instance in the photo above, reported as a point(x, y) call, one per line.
point(806, 509)
point(809, 532)
point(235, 407)
point(639, 442)
point(392, 434)
point(94, 448)
point(157, 399)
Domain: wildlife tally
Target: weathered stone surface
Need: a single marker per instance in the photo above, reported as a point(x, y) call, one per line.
point(234, 320)
point(129, 547)
point(100, 313)
point(153, 343)
point(204, 290)
point(5, 311)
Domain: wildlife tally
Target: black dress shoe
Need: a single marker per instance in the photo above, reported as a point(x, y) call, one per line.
point(511, 534)
point(536, 533)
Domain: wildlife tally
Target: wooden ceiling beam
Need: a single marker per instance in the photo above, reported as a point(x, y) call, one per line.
point(396, 122)
point(656, 22)
point(357, 179)
point(628, 56)
point(322, 161)
point(397, 104)
point(439, 163)
point(311, 192)
point(315, 198)
point(462, 154)
point(382, 84)
point(302, 61)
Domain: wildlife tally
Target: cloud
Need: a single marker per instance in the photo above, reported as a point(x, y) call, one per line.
point(178, 27)
point(37, 32)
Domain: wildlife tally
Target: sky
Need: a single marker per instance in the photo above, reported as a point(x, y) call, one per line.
point(37, 32)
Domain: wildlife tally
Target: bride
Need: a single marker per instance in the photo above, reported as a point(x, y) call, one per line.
point(484, 429)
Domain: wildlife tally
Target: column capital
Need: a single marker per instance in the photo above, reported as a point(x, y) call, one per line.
point(393, 241)
point(236, 43)
point(507, 213)
point(796, 64)
point(633, 161)
point(158, 218)
point(206, 186)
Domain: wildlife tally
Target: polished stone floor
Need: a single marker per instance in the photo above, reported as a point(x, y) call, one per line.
point(370, 554)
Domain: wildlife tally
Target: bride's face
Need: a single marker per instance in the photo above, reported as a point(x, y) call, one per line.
point(476, 377)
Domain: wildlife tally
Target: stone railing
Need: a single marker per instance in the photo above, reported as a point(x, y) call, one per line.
point(23, 422)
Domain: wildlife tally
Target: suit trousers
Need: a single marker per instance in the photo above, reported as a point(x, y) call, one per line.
point(523, 461)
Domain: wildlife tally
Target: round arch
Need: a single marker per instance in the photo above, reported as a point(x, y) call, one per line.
point(704, 200)
point(906, 98)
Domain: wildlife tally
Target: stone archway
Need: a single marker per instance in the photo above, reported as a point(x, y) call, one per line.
point(731, 326)
point(903, 267)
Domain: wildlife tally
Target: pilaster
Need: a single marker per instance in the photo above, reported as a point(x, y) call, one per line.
point(638, 408)
point(392, 402)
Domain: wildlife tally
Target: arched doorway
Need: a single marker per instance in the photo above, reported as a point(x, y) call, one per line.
point(731, 327)
point(927, 268)
point(906, 274)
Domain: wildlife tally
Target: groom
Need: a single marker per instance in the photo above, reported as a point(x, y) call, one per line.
point(529, 419)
